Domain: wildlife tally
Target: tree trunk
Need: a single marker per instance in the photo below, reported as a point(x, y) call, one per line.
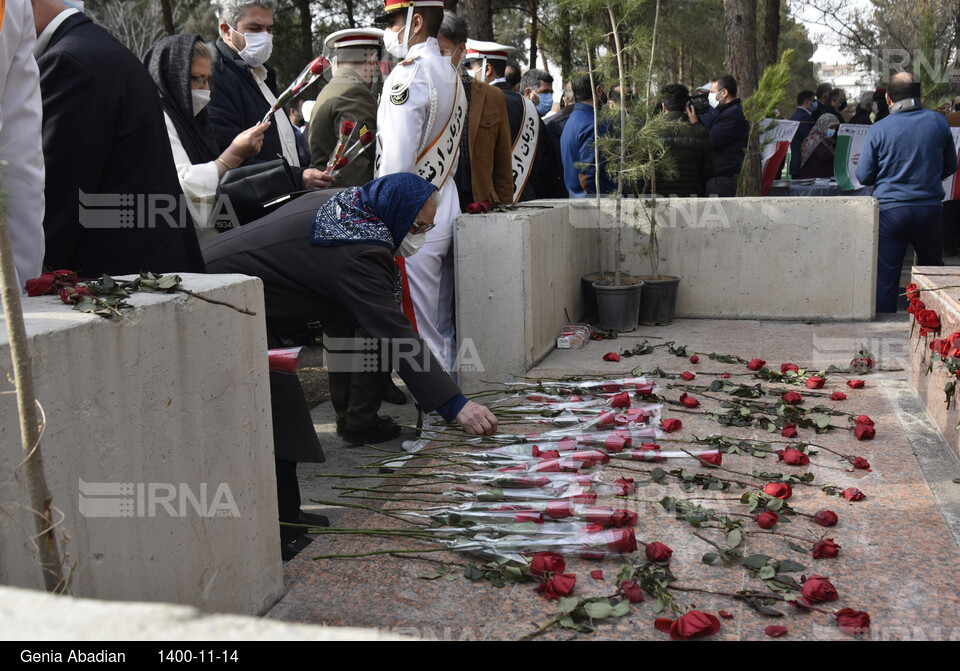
point(740, 44)
point(40, 498)
point(167, 17)
point(479, 19)
point(306, 30)
point(681, 70)
point(534, 30)
point(771, 32)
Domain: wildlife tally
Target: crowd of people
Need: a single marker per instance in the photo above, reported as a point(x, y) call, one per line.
point(366, 248)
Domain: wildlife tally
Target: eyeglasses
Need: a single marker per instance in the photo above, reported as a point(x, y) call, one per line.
point(421, 227)
point(201, 81)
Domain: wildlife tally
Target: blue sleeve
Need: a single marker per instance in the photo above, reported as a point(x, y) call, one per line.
point(867, 165)
point(949, 156)
point(452, 408)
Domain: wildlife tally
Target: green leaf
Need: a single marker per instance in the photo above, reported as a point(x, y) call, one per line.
point(621, 609)
point(797, 548)
point(566, 604)
point(709, 558)
point(734, 537)
point(767, 572)
point(787, 566)
point(756, 561)
point(472, 573)
point(432, 576)
point(774, 504)
point(597, 610)
point(658, 605)
point(450, 576)
point(823, 421)
point(497, 581)
point(568, 623)
point(514, 572)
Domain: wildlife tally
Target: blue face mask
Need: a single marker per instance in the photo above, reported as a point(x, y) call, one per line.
point(815, 106)
point(831, 132)
point(546, 102)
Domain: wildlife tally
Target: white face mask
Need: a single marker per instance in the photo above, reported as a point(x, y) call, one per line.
point(200, 99)
point(712, 97)
point(411, 244)
point(258, 48)
point(391, 42)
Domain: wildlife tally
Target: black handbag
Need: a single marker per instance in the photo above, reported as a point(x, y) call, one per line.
point(256, 190)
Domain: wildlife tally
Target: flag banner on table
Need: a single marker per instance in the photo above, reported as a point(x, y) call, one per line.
point(850, 140)
point(951, 185)
point(774, 143)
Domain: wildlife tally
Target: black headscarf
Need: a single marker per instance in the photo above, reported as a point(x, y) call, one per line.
point(169, 63)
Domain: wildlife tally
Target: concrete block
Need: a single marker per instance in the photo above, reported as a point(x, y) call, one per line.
point(158, 449)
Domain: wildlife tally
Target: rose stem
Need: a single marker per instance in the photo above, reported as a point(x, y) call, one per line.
point(746, 596)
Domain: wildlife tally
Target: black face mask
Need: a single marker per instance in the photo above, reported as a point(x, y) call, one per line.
point(843, 103)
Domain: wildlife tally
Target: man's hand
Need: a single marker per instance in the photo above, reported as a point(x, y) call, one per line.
point(475, 419)
point(314, 179)
point(691, 113)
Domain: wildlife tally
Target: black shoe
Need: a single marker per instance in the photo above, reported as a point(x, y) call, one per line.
point(393, 394)
point(290, 550)
point(313, 519)
point(382, 432)
point(339, 427)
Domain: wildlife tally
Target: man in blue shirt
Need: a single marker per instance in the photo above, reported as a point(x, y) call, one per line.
point(906, 156)
point(576, 142)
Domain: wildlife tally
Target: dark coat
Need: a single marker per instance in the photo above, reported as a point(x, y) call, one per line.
point(547, 178)
point(728, 135)
point(104, 134)
point(344, 94)
point(796, 145)
point(689, 145)
point(333, 285)
point(237, 104)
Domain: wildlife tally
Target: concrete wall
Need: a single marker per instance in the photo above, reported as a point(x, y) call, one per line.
point(751, 258)
point(175, 394)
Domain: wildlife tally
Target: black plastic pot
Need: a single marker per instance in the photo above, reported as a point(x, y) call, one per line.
point(659, 301)
point(589, 297)
point(618, 306)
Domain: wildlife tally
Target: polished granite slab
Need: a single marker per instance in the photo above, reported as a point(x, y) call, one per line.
point(900, 561)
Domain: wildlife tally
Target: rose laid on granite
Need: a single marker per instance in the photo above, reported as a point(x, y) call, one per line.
point(789, 431)
point(838, 396)
point(621, 400)
point(815, 382)
point(792, 398)
point(775, 631)
point(855, 384)
point(611, 356)
point(778, 490)
point(928, 320)
point(671, 425)
point(793, 457)
point(785, 367)
point(861, 463)
point(624, 541)
point(623, 487)
point(689, 401)
point(632, 591)
point(916, 305)
point(826, 549)
point(694, 359)
point(767, 520)
point(817, 588)
point(826, 518)
point(693, 624)
point(658, 552)
point(852, 622)
point(544, 563)
point(853, 494)
point(687, 375)
point(597, 574)
point(711, 458)
point(558, 586)
point(756, 364)
point(912, 292)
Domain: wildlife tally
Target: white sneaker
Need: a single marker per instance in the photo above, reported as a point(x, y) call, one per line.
point(411, 447)
point(414, 445)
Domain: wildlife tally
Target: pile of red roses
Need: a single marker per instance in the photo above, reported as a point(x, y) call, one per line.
point(928, 320)
point(63, 282)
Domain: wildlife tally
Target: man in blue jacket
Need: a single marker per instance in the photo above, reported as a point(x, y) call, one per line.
point(906, 157)
point(576, 142)
point(728, 136)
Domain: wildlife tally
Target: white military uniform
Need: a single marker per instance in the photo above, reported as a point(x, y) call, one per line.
point(417, 100)
point(21, 151)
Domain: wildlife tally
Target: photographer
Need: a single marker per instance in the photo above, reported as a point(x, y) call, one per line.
point(728, 136)
point(688, 144)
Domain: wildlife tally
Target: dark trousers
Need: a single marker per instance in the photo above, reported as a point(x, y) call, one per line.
point(356, 394)
point(288, 499)
point(921, 227)
point(951, 227)
point(724, 186)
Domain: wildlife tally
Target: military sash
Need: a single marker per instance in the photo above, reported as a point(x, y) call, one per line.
point(525, 148)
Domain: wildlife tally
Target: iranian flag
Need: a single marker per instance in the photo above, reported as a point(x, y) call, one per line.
point(850, 140)
point(774, 143)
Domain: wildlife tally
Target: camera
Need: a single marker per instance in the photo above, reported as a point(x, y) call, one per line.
point(701, 103)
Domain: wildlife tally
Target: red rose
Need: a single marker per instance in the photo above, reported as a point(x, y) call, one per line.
point(687, 375)
point(529, 516)
point(792, 398)
point(725, 615)
point(624, 540)
point(912, 292)
point(73, 294)
point(692, 625)
point(566, 444)
point(547, 562)
point(557, 510)
point(789, 431)
point(319, 65)
point(621, 400)
point(611, 356)
point(725, 375)
point(817, 588)
point(767, 520)
point(864, 431)
point(855, 384)
point(826, 549)
point(939, 346)
point(591, 456)
point(778, 490)
point(860, 462)
point(615, 442)
point(793, 457)
point(852, 622)
point(853, 494)
point(815, 382)
point(558, 586)
point(342, 163)
point(916, 305)
point(784, 367)
point(694, 359)
point(478, 208)
point(40, 286)
point(632, 591)
point(367, 138)
point(658, 552)
point(756, 364)
point(597, 574)
point(671, 425)
point(864, 419)
point(711, 458)
point(838, 396)
point(775, 631)
point(689, 401)
point(622, 518)
point(545, 454)
point(928, 320)
point(623, 487)
point(644, 389)
point(826, 518)
point(347, 126)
